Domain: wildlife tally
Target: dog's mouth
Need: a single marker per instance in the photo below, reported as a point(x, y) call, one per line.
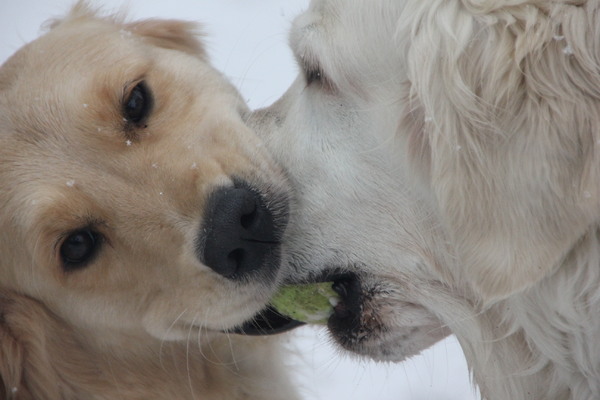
point(345, 317)
point(267, 322)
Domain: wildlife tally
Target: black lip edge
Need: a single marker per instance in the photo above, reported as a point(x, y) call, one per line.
point(267, 322)
point(332, 275)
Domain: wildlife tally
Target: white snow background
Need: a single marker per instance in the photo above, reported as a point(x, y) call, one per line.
point(247, 40)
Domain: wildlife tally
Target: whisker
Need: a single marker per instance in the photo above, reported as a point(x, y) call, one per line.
point(187, 356)
point(164, 339)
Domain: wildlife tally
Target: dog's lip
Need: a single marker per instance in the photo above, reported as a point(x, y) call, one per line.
point(269, 322)
point(349, 289)
point(346, 313)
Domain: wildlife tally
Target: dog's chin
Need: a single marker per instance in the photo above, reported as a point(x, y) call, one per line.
point(371, 321)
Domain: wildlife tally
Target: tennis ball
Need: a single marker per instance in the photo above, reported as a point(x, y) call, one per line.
point(311, 303)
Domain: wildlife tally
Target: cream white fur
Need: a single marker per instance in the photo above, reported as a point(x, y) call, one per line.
point(450, 152)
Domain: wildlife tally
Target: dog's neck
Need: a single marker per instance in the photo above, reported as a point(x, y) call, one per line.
point(517, 354)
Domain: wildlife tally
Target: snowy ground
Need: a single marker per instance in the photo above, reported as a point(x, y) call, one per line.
point(247, 41)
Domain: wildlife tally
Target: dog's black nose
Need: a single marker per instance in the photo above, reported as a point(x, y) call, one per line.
point(240, 233)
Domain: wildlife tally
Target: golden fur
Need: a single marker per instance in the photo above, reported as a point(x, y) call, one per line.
point(145, 319)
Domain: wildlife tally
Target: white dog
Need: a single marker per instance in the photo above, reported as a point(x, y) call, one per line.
point(446, 158)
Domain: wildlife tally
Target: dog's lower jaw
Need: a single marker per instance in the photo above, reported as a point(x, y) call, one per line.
point(361, 324)
point(390, 346)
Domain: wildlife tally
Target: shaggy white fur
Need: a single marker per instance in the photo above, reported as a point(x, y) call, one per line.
point(448, 152)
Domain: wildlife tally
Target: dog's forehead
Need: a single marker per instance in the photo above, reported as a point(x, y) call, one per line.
point(49, 86)
point(59, 102)
point(70, 50)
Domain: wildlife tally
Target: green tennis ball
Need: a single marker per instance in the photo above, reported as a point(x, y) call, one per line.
point(311, 303)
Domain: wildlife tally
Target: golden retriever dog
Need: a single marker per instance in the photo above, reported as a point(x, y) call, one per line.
point(446, 157)
point(141, 220)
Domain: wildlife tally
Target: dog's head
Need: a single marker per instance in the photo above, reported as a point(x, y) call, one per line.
point(134, 199)
point(360, 220)
point(443, 151)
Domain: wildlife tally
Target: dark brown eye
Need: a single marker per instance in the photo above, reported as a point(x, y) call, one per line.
point(79, 248)
point(138, 105)
point(313, 75)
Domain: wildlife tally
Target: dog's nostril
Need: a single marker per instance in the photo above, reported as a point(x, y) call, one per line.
point(241, 233)
point(248, 219)
point(235, 259)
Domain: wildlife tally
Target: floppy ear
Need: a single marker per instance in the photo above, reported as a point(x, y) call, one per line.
point(12, 363)
point(40, 357)
point(27, 371)
point(171, 34)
